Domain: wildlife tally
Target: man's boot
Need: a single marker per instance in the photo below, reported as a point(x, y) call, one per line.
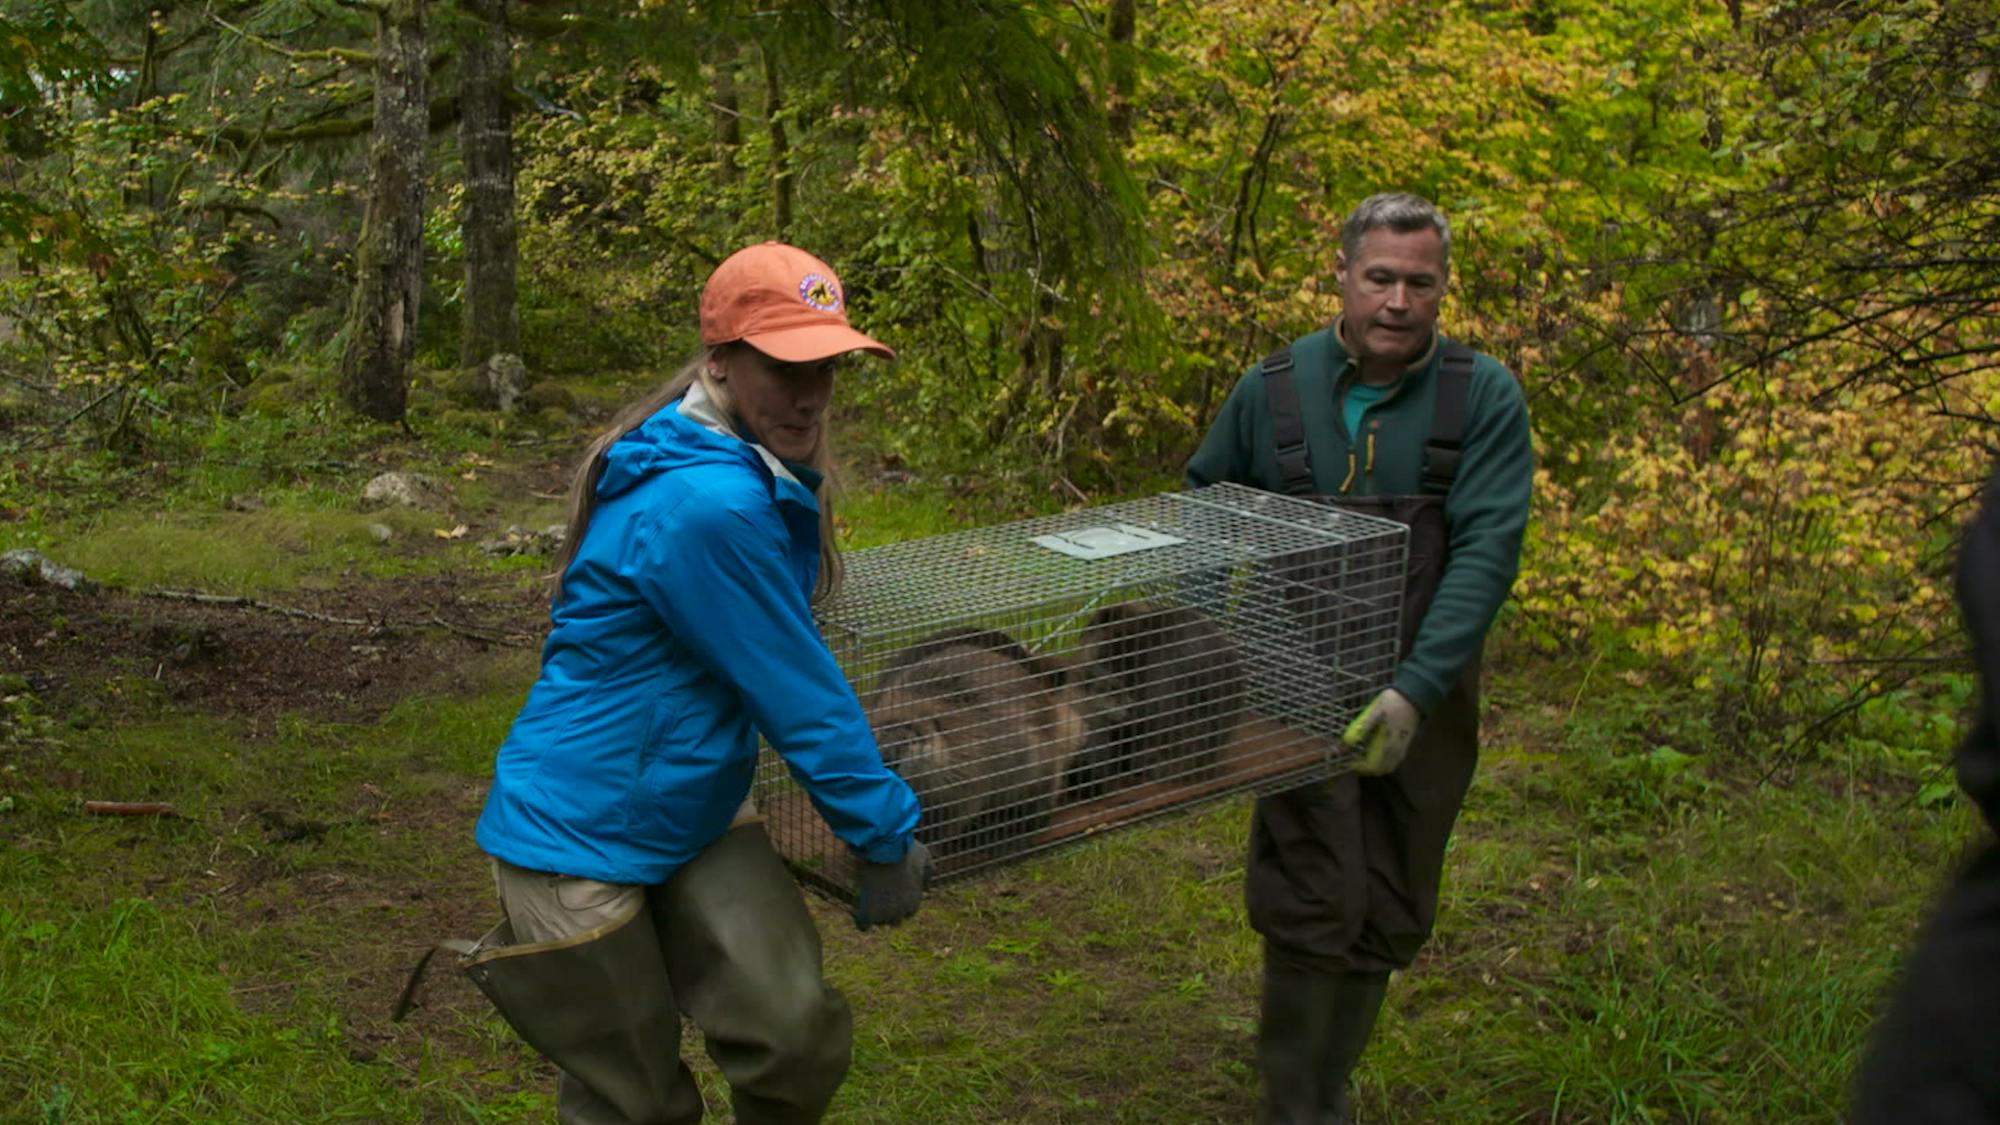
point(1291, 1041)
point(1314, 1027)
point(1357, 1000)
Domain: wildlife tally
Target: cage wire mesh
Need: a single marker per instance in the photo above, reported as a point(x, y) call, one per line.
point(1044, 680)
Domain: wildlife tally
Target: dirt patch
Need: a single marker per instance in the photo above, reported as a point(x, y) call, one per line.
point(246, 863)
point(86, 650)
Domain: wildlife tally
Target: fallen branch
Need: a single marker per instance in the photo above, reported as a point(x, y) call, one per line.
point(509, 640)
point(253, 603)
point(487, 638)
point(128, 808)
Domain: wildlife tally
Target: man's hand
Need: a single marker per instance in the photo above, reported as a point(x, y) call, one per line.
point(887, 893)
point(1380, 735)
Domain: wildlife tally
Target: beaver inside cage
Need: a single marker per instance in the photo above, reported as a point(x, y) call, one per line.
point(1006, 747)
point(985, 732)
point(1032, 695)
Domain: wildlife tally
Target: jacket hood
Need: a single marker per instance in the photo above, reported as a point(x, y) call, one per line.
point(683, 433)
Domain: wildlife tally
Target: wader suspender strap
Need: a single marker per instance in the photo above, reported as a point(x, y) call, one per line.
point(1447, 438)
point(1287, 430)
point(1441, 449)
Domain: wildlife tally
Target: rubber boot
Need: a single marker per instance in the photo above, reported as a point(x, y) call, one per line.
point(1357, 1000)
point(599, 1006)
point(745, 961)
point(1291, 1040)
point(1315, 1025)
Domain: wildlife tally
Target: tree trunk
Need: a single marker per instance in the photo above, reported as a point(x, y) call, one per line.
point(492, 322)
point(381, 321)
point(728, 111)
point(1124, 76)
point(781, 148)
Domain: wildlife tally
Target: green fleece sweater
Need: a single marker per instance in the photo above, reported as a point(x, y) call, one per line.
point(1486, 509)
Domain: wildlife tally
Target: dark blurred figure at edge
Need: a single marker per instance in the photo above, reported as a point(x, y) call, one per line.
point(1935, 1056)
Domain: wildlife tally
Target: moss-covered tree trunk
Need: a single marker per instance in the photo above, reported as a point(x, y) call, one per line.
point(728, 114)
point(492, 323)
point(781, 149)
point(381, 326)
point(1120, 25)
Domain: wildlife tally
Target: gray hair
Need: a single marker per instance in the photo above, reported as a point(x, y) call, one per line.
point(1397, 211)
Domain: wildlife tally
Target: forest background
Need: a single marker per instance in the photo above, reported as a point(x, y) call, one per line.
point(257, 252)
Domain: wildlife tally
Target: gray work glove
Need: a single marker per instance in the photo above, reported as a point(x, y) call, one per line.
point(1380, 735)
point(887, 893)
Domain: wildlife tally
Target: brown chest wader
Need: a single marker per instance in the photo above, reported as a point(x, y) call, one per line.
point(1344, 874)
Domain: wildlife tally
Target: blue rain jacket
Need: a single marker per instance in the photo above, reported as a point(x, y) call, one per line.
point(683, 631)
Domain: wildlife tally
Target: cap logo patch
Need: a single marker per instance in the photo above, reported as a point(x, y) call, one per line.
point(819, 291)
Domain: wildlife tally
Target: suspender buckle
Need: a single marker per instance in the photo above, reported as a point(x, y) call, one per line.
point(1440, 467)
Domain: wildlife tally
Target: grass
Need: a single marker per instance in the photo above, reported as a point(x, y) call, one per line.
point(197, 968)
point(869, 515)
point(266, 505)
point(238, 552)
point(1708, 957)
point(1630, 932)
point(126, 1013)
point(297, 542)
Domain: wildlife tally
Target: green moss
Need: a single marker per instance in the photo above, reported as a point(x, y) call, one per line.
point(277, 548)
point(86, 1045)
point(461, 386)
point(277, 398)
point(470, 421)
point(548, 396)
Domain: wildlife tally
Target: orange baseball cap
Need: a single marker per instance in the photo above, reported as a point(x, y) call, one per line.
point(782, 301)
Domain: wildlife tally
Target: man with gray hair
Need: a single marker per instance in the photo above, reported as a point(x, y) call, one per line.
point(1379, 413)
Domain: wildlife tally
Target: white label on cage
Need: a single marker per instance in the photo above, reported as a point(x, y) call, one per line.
point(1104, 542)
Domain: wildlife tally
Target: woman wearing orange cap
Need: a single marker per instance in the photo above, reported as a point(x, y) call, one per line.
point(636, 879)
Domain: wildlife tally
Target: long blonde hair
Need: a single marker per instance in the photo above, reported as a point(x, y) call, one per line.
point(583, 486)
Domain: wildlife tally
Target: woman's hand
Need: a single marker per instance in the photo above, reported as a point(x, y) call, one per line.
point(887, 893)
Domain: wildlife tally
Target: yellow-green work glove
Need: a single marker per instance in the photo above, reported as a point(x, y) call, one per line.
point(1380, 735)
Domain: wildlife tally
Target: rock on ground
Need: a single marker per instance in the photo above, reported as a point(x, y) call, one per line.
point(31, 565)
point(411, 490)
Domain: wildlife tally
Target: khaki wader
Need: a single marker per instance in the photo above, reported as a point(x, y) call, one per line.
point(725, 940)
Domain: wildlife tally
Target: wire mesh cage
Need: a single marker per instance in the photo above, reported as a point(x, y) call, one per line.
point(1040, 681)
